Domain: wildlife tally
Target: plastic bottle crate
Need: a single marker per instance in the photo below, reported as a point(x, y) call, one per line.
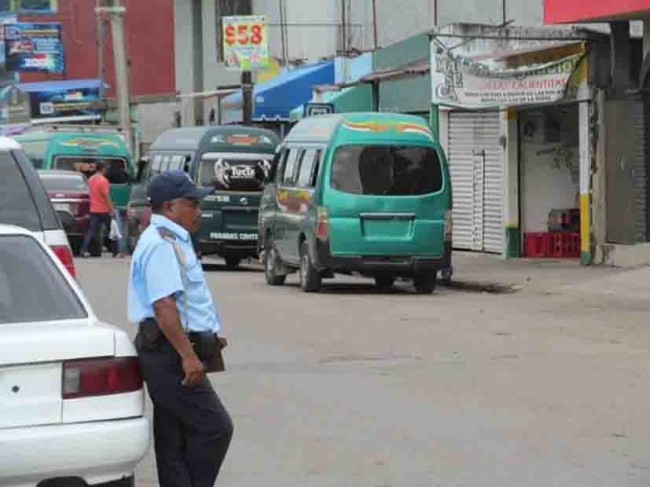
point(565, 245)
point(537, 245)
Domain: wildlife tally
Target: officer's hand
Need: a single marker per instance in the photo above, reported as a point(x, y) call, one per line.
point(193, 369)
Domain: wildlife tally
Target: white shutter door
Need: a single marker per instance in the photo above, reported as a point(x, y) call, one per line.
point(461, 167)
point(475, 165)
point(487, 138)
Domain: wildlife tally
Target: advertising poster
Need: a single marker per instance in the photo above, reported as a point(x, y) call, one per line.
point(245, 42)
point(68, 103)
point(464, 82)
point(29, 6)
point(31, 47)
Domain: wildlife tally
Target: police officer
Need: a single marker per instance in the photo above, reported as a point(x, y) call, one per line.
point(168, 296)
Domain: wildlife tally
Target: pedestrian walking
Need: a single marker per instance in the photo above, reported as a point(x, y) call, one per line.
point(101, 208)
point(169, 298)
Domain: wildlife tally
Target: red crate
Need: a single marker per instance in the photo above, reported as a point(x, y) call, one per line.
point(537, 245)
point(565, 245)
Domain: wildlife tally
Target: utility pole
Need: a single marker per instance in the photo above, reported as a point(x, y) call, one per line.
point(116, 13)
point(247, 95)
point(374, 25)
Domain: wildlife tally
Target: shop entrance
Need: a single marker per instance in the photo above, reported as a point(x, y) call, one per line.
point(549, 158)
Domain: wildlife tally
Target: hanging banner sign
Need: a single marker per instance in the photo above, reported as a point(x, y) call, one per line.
point(459, 81)
point(31, 47)
point(245, 42)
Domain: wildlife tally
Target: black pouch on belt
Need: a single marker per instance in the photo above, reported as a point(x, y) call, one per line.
point(207, 347)
point(149, 336)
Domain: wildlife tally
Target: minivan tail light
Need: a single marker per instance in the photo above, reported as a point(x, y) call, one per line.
point(322, 224)
point(64, 254)
point(449, 225)
point(100, 377)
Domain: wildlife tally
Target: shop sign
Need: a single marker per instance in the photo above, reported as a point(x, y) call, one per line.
point(31, 47)
point(313, 109)
point(245, 42)
point(460, 81)
point(66, 103)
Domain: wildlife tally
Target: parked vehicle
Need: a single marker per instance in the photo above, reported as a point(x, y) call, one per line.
point(68, 192)
point(78, 148)
point(235, 160)
point(362, 192)
point(24, 202)
point(72, 408)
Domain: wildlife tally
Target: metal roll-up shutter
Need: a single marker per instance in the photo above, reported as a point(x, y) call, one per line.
point(488, 131)
point(476, 167)
point(461, 168)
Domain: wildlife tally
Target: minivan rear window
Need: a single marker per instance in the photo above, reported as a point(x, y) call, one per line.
point(234, 174)
point(388, 170)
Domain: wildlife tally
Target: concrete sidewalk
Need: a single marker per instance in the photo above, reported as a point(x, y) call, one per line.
point(492, 273)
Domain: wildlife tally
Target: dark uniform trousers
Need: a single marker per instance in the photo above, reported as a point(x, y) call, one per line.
point(192, 429)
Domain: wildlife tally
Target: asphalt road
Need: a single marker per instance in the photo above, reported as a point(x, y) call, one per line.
point(355, 387)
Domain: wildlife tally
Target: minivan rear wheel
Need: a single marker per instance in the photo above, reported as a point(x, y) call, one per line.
point(425, 282)
point(384, 282)
point(272, 265)
point(310, 279)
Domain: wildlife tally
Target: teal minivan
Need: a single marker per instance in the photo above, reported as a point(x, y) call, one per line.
point(365, 193)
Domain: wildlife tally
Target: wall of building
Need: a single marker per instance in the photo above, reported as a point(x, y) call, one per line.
point(150, 45)
point(313, 29)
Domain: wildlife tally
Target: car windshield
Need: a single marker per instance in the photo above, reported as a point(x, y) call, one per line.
point(117, 167)
point(235, 174)
point(387, 170)
point(32, 288)
point(68, 182)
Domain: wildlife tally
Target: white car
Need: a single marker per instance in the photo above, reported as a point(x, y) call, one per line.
point(24, 201)
point(71, 395)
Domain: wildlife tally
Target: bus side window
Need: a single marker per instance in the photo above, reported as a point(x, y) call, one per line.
point(317, 163)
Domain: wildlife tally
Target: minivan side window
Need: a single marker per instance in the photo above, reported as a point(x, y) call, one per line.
point(277, 167)
point(288, 175)
point(308, 168)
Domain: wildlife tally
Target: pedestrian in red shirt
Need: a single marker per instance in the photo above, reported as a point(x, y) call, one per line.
point(101, 207)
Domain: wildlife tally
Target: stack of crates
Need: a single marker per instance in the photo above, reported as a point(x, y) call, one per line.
point(561, 241)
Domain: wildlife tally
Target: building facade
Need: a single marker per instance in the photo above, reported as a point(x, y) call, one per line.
point(619, 195)
point(150, 55)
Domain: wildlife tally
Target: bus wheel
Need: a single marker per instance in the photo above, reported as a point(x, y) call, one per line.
point(232, 262)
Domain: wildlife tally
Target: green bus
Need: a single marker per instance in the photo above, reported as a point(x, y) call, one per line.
point(78, 149)
point(236, 161)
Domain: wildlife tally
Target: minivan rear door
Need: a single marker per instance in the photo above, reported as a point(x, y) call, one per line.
point(386, 200)
point(231, 212)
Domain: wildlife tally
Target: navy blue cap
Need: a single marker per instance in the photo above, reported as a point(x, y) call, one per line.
point(171, 185)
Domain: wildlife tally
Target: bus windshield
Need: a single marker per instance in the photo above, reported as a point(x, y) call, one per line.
point(234, 173)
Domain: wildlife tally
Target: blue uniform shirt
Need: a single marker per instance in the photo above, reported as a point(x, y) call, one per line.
point(156, 274)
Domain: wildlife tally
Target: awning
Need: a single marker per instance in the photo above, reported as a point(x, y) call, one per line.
point(414, 70)
point(274, 99)
point(352, 99)
point(66, 85)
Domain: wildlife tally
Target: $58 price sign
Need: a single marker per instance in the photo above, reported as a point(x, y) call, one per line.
point(245, 41)
point(244, 34)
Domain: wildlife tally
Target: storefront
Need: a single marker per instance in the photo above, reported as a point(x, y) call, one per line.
point(510, 105)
